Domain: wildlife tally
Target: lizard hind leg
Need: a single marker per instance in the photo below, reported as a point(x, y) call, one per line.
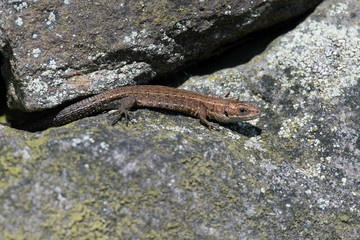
point(123, 106)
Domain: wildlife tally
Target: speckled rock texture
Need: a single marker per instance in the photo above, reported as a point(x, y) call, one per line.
point(60, 50)
point(291, 174)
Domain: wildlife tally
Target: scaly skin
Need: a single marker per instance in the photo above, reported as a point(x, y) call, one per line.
point(205, 107)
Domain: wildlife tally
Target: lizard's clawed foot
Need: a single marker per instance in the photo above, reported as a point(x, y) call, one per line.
point(214, 126)
point(210, 125)
point(119, 115)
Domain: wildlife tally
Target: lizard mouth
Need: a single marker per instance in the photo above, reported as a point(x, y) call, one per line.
point(245, 119)
point(250, 117)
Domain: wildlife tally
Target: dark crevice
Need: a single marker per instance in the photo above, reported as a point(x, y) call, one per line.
point(3, 106)
point(231, 55)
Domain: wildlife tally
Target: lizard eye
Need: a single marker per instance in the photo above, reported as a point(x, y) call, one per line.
point(242, 111)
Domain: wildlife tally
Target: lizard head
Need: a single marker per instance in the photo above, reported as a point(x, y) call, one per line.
point(235, 111)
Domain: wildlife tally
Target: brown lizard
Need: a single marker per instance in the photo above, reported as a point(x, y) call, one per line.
point(205, 107)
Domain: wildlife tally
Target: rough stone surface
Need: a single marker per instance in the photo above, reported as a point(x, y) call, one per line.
point(60, 50)
point(165, 176)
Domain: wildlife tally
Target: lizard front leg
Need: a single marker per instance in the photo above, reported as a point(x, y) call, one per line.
point(203, 114)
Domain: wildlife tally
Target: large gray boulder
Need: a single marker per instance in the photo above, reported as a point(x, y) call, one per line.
point(291, 174)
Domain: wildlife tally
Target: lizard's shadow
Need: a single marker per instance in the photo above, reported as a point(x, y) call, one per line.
point(244, 128)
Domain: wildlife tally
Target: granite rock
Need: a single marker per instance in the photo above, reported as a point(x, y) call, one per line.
point(291, 174)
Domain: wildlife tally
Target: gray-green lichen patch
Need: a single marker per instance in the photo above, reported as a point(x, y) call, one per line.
point(85, 177)
point(319, 57)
